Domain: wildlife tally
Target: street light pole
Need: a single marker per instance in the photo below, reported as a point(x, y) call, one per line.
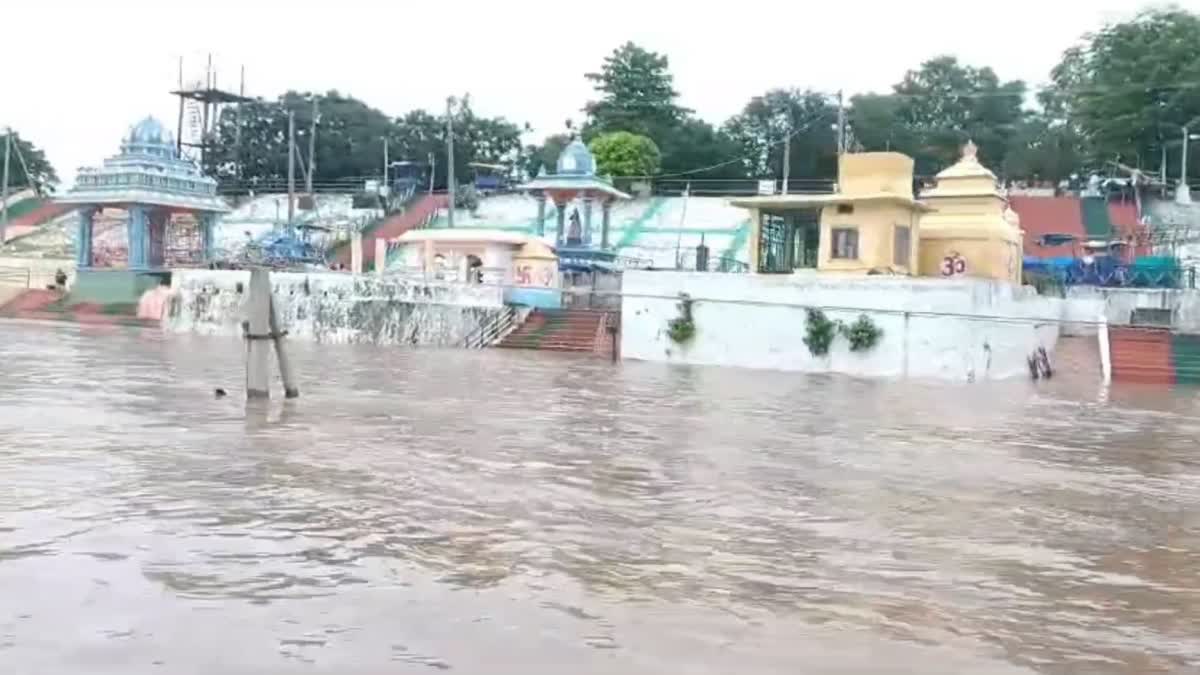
point(450, 161)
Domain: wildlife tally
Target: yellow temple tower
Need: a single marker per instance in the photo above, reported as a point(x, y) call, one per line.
point(971, 231)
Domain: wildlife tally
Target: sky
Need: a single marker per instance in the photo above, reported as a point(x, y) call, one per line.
point(79, 73)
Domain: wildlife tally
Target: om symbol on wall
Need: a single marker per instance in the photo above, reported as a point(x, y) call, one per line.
point(953, 265)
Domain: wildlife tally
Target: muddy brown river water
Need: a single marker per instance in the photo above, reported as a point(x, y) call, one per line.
point(522, 513)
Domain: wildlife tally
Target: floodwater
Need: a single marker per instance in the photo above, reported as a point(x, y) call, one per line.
point(526, 514)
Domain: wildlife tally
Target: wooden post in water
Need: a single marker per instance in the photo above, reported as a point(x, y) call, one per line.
point(263, 330)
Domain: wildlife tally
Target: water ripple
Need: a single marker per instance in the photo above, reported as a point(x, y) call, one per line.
point(506, 512)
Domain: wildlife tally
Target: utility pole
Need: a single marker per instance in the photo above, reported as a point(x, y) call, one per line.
point(432, 170)
point(450, 161)
point(4, 190)
point(291, 170)
point(787, 154)
point(1182, 194)
point(384, 184)
point(841, 124)
point(312, 151)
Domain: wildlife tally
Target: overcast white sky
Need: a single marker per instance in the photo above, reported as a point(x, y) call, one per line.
point(77, 73)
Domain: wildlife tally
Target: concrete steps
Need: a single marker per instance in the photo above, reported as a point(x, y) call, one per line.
point(394, 226)
point(569, 330)
point(1077, 357)
point(1141, 355)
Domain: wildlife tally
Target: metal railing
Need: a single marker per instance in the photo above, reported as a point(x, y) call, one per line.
point(728, 264)
point(493, 331)
point(659, 187)
point(1054, 279)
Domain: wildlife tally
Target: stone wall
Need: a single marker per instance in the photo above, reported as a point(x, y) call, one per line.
point(962, 329)
point(336, 308)
point(1118, 304)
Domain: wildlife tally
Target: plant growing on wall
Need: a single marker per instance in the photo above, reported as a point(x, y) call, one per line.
point(820, 332)
point(863, 334)
point(682, 328)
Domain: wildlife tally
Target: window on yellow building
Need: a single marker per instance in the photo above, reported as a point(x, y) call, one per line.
point(845, 243)
point(902, 246)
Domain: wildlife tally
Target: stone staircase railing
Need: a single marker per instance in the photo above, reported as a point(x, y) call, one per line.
point(497, 329)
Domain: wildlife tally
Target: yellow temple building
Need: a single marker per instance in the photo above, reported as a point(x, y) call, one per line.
point(872, 224)
point(971, 230)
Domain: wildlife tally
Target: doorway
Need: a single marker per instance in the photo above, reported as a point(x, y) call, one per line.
point(788, 241)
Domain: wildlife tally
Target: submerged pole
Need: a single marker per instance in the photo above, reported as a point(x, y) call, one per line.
point(290, 387)
point(264, 329)
point(258, 322)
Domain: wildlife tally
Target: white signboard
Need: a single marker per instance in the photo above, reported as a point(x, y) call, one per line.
point(766, 187)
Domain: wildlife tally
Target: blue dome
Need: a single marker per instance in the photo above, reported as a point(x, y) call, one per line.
point(576, 159)
point(150, 132)
point(149, 137)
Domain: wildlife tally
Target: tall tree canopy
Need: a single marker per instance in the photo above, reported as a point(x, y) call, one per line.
point(808, 117)
point(936, 108)
point(350, 138)
point(41, 175)
point(1131, 87)
point(637, 94)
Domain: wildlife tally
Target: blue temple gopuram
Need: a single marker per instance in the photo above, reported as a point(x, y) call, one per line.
point(165, 197)
point(575, 179)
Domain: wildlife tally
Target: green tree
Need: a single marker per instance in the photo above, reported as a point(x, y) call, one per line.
point(692, 146)
point(876, 124)
point(807, 117)
point(350, 138)
point(545, 156)
point(1131, 87)
point(637, 94)
point(1043, 148)
point(944, 103)
point(25, 155)
point(621, 153)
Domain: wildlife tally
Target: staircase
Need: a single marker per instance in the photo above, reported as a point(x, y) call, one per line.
point(1185, 353)
point(560, 330)
point(28, 220)
point(419, 211)
point(1141, 354)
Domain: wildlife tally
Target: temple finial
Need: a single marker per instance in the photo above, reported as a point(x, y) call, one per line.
point(970, 150)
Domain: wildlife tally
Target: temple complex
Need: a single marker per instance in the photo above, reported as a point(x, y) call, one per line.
point(170, 211)
point(873, 224)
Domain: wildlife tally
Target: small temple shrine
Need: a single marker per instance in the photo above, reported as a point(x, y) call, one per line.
point(971, 231)
point(575, 181)
point(873, 224)
point(170, 208)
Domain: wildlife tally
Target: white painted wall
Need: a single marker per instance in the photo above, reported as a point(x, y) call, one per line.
point(962, 329)
point(332, 307)
point(1118, 303)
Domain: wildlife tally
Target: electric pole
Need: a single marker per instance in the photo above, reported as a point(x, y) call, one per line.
point(787, 154)
point(841, 123)
point(291, 170)
point(312, 152)
point(450, 161)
